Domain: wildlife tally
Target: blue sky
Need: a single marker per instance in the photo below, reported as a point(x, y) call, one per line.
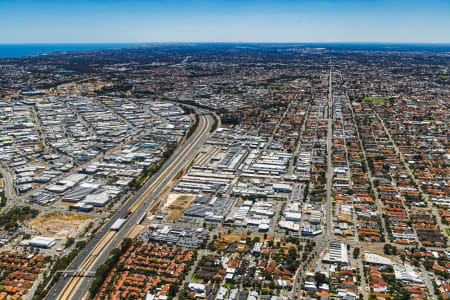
point(103, 21)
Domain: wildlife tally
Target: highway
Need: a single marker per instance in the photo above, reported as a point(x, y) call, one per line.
point(8, 185)
point(98, 248)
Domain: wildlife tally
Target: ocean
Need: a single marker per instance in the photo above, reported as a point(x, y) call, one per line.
point(20, 50)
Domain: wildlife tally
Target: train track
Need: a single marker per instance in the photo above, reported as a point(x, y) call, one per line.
point(73, 282)
point(164, 175)
point(89, 261)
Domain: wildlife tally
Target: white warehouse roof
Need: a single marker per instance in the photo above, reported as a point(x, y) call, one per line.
point(42, 242)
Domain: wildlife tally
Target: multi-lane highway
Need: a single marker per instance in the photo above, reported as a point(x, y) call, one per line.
point(98, 248)
point(8, 188)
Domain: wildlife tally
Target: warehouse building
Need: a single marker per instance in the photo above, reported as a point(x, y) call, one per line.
point(282, 188)
point(42, 242)
point(293, 216)
point(98, 200)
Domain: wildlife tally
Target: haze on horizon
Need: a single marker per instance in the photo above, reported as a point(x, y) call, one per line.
point(134, 21)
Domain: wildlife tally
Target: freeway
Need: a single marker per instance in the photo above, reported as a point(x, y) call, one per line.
point(98, 248)
point(8, 185)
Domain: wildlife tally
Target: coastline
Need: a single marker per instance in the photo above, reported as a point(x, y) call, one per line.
point(28, 50)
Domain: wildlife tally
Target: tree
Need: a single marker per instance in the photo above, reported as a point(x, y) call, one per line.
point(356, 252)
point(403, 295)
point(80, 244)
point(304, 256)
point(292, 253)
point(387, 249)
point(272, 285)
point(403, 257)
point(319, 278)
point(69, 242)
point(126, 243)
point(428, 264)
point(173, 290)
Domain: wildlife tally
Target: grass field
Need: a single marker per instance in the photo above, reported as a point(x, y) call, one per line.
point(443, 76)
point(375, 100)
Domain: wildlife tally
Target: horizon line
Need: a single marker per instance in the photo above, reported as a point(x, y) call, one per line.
point(237, 42)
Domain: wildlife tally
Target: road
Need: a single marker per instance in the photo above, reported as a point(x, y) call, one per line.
point(8, 185)
point(322, 241)
point(363, 277)
point(275, 130)
point(93, 256)
point(329, 227)
point(292, 167)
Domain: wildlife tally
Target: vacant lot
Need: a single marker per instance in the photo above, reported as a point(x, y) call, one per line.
point(60, 225)
point(177, 205)
point(233, 237)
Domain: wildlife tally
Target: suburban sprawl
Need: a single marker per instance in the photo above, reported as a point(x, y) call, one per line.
point(226, 172)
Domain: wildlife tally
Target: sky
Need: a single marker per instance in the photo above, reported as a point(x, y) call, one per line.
point(135, 21)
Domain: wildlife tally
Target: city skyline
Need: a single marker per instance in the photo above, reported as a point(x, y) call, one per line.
point(141, 21)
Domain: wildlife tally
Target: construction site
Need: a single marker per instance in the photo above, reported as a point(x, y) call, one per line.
point(60, 225)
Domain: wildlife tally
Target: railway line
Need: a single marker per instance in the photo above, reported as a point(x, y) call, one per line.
point(134, 209)
point(73, 282)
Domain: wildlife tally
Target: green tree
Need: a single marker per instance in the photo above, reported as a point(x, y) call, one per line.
point(319, 278)
point(428, 264)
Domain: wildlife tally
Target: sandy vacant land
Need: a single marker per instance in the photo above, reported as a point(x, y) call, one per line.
point(60, 225)
point(176, 204)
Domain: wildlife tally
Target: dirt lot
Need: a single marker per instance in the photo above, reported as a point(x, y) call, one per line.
point(60, 225)
point(232, 237)
point(178, 206)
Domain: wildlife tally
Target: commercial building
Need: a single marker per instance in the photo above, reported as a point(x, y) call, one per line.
point(336, 254)
point(42, 242)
